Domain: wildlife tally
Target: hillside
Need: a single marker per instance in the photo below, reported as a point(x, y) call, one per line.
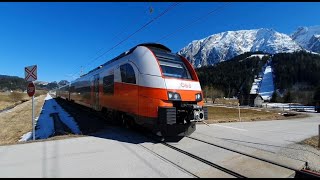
point(295, 75)
point(231, 78)
point(17, 83)
point(12, 83)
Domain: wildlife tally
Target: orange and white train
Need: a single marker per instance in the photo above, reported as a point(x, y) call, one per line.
point(147, 86)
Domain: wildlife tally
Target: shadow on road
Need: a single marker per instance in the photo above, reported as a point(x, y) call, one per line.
point(135, 136)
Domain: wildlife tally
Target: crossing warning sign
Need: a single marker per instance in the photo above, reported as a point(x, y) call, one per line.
point(30, 73)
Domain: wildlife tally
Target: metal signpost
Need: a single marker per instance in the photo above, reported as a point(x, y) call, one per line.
point(30, 76)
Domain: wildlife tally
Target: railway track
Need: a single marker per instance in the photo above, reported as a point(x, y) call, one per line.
point(81, 114)
point(79, 111)
point(87, 120)
point(198, 158)
point(304, 173)
point(299, 173)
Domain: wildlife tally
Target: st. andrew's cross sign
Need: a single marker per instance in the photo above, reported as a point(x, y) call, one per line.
point(30, 73)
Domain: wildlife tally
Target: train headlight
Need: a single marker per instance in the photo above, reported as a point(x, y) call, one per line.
point(174, 96)
point(198, 97)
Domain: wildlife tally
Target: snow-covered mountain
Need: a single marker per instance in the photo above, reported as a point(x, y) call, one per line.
point(224, 46)
point(308, 38)
point(41, 83)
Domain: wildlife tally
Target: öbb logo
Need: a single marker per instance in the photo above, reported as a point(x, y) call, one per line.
point(185, 85)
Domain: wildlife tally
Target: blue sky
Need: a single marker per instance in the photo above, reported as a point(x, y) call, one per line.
point(61, 37)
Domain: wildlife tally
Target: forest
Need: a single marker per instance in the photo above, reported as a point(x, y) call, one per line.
point(296, 77)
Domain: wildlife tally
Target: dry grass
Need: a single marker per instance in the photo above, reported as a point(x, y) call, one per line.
point(4, 104)
point(8, 99)
point(18, 122)
point(223, 114)
point(226, 101)
point(313, 141)
point(12, 99)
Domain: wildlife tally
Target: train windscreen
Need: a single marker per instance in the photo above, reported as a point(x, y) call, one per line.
point(172, 65)
point(177, 70)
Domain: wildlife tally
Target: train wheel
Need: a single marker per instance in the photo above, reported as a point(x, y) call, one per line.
point(132, 123)
point(116, 118)
point(128, 122)
point(107, 116)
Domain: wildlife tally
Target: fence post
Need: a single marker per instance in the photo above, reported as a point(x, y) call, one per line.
point(239, 112)
point(319, 138)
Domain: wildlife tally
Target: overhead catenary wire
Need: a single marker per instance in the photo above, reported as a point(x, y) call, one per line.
point(196, 20)
point(138, 30)
point(144, 26)
point(124, 29)
point(101, 49)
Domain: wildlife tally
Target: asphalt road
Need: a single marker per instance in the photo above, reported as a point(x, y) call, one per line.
point(83, 157)
point(119, 153)
point(267, 135)
point(279, 137)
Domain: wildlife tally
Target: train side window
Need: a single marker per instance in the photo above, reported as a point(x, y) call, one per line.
point(127, 74)
point(82, 90)
point(108, 84)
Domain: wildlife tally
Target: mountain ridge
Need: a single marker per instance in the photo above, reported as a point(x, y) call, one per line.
point(223, 46)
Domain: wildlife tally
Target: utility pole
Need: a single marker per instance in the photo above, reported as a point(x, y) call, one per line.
point(319, 138)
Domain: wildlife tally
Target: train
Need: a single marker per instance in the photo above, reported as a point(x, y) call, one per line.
point(147, 86)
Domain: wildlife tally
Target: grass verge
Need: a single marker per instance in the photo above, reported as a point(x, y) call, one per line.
point(17, 121)
point(11, 99)
point(313, 141)
point(224, 114)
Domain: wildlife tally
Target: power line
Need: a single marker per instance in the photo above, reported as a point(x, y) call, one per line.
point(128, 25)
point(121, 32)
point(141, 28)
point(187, 25)
point(144, 26)
point(117, 35)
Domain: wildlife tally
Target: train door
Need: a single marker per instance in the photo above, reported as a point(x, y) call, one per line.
point(96, 92)
point(128, 90)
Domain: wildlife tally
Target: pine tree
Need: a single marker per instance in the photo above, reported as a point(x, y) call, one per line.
point(287, 98)
point(274, 97)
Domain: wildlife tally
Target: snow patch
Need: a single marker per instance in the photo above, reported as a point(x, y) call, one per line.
point(26, 137)
point(263, 84)
point(257, 55)
point(267, 86)
point(45, 123)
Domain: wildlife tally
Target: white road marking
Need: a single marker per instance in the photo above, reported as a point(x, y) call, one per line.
point(229, 127)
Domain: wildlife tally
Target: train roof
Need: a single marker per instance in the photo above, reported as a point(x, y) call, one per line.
point(156, 46)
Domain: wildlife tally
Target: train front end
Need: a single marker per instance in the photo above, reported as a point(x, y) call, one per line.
point(181, 104)
point(184, 93)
